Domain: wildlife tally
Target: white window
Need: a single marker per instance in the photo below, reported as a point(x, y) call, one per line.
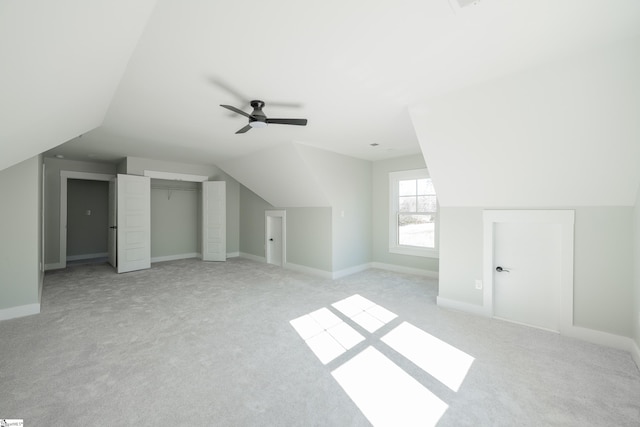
point(413, 215)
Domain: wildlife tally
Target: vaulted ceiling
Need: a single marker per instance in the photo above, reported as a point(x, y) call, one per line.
point(115, 78)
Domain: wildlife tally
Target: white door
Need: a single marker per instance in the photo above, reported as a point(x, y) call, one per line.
point(133, 195)
point(214, 221)
point(274, 240)
point(112, 249)
point(527, 273)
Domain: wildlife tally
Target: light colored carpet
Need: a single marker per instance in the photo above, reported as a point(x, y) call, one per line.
point(194, 343)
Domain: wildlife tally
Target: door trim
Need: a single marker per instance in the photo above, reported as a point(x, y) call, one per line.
point(281, 214)
point(64, 176)
point(565, 218)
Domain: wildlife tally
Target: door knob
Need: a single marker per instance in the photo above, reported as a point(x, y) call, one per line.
point(501, 270)
point(271, 240)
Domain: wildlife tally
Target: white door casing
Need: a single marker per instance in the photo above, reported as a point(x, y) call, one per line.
point(276, 237)
point(525, 234)
point(64, 176)
point(112, 237)
point(214, 221)
point(134, 223)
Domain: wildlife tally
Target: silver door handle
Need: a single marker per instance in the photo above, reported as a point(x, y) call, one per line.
point(501, 270)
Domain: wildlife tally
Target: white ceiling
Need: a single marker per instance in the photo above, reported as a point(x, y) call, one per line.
point(142, 80)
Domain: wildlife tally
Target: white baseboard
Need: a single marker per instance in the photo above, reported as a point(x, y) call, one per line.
point(461, 306)
point(87, 256)
point(407, 270)
point(600, 338)
point(19, 311)
point(233, 254)
point(54, 266)
point(351, 270)
point(175, 257)
point(590, 335)
point(252, 257)
point(308, 270)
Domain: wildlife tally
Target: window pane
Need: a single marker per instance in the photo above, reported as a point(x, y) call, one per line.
point(425, 186)
point(416, 230)
point(407, 187)
point(427, 204)
point(407, 204)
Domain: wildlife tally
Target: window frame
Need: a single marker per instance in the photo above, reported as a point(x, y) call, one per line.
point(394, 208)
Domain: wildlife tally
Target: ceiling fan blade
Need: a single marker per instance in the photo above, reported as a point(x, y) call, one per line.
point(244, 129)
point(297, 122)
point(237, 110)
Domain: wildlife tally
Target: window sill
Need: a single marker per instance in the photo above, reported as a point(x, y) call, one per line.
point(414, 251)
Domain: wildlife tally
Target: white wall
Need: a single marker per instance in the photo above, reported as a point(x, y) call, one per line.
point(20, 245)
point(280, 176)
point(564, 133)
point(64, 62)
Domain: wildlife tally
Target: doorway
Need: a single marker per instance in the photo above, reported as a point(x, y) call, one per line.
point(276, 237)
point(64, 178)
point(87, 220)
point(528, 267)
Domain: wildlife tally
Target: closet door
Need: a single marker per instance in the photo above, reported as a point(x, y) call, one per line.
point(134, 222)
point(214, 221)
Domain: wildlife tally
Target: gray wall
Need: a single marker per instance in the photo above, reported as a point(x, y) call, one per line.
point(636, 264)
point(87, 234)
point(52, 199)
point(308, 231)
point(347, 183)
point(308, 241)
point(175, 218)
point(603, 290)
point(20, 225)
point(380, 212)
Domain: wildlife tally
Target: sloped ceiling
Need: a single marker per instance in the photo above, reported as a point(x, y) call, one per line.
point(565, 133)
point(61, 64)
point(145, 79)
point(280, 176)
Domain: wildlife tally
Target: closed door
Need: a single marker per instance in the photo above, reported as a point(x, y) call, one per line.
point(528, 273)
point(274, 240)
point(134, 222)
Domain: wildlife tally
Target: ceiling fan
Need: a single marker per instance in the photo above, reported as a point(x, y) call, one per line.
point(257, 119)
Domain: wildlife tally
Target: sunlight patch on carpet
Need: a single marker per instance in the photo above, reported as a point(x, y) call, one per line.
point(443, 361)
point(386, 394)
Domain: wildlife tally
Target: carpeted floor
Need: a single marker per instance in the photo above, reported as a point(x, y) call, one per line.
point(201, 344)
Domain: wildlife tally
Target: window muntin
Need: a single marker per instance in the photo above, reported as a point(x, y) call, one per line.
point(413, 213)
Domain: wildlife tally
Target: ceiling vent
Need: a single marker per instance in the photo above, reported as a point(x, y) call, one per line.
point(464, 3)
point(458, 5)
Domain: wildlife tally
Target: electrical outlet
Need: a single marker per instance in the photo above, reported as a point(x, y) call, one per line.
point(478, 284)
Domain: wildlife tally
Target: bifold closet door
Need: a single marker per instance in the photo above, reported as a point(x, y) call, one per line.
point(214, 221)
point(134, 222)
